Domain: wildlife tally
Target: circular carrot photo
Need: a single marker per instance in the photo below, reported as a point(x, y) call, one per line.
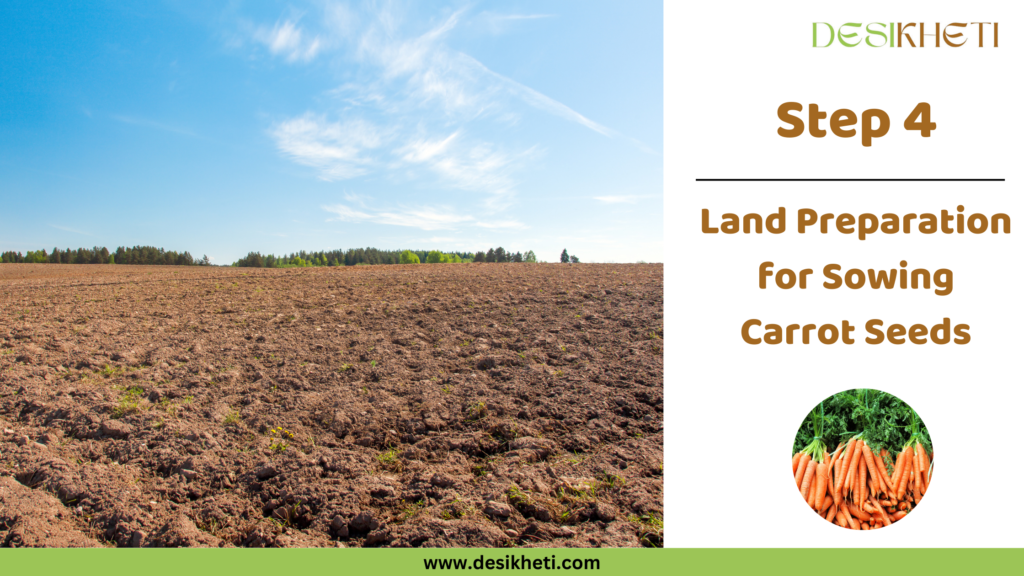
point(862, 459)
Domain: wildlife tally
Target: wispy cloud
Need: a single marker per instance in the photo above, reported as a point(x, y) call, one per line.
point(288, 39)
point(497, 23)
point(422, 217)
point(521, 16)
point(411, 107)
point(72, 230)
point(151, 124)
point(422, 150)
point(340, 150)
point(624, 199)
point(502, 224)
point(432, 72)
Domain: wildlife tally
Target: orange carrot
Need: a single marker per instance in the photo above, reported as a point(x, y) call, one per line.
point(897, 473)
point(922, 484)
point(805, 483)
point(856, 485)
point(801, 467)
point(821, 481)
point(859, 513)
point(833, 470)
point(858, 461)
point(883, 473)
point(796, 461)
point(844, 469)
point(848, 485)
point(901, 490)
point(881, 513)
point(844, 511)
point(912, 485)
point(812, 494)
point(862, 474)
point(828, 477)
point(916, 462)
point(831, 514)
point(900, 514)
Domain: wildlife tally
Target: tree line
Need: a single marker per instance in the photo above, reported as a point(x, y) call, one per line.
point(371, 256)
point(150, 255)
point(137, 255)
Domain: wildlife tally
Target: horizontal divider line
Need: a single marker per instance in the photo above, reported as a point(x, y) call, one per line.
point(851, 179)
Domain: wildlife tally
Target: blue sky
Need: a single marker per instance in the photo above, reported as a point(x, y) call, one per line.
point(221, 129)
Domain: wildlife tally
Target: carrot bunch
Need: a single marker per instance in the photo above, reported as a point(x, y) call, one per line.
point(861, 494)
point(810, 467)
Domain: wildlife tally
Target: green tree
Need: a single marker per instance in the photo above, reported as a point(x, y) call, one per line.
point(564, 258)
point(409, 258)
point(480, 257)
point(253, 260)
point(530, 257)
point(36, 257)
point(574, 259)
point(434, 257)
point(490, 255)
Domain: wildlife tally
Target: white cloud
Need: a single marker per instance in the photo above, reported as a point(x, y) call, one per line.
point(496, 23)
point(538, 100)
point(519, 16)
point(624, 199)
point(502, 224)
point(479, 167)
point(287, 38)
point(340, 150)
point(424, 218)
point(411, 107)
point(461, 85)
point(423, 150)
point(346, 214)
point(421, 217)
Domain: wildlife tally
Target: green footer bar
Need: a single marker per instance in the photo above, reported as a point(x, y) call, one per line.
point(201, 562)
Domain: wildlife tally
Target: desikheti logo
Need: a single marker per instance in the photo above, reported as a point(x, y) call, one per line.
point(906, 35)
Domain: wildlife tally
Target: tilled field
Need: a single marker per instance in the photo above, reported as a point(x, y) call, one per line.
point(430, 405)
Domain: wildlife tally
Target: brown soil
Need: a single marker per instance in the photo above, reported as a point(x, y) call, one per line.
point(430, 405)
